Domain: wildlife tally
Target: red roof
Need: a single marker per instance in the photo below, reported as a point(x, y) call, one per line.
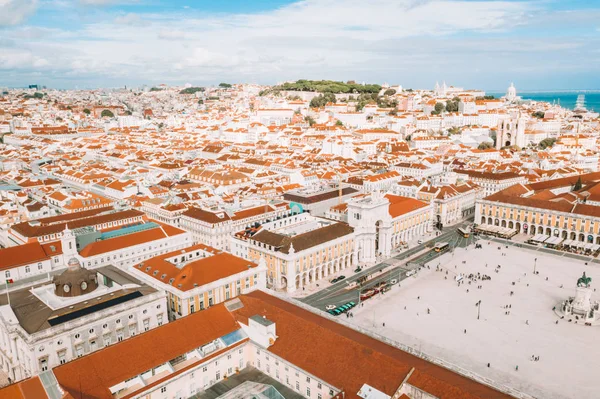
point(22, 255)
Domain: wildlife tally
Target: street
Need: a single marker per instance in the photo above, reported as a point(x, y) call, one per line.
point(394, 268)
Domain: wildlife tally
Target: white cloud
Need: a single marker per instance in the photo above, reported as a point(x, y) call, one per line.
point(128, 19)
point(20, 59)
point(13, 12)
point(338, 39)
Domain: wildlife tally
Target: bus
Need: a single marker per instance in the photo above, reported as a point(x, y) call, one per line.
point(463, 232)
point(441, 247)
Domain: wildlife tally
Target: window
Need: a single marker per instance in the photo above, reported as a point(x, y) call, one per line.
point(308, 392)
point(308, 379)
point(44, 364)
point(297, 386)
point(163, 389)
point(319, 396)
point(7, 273)
point(218, 375)
point(319, 385)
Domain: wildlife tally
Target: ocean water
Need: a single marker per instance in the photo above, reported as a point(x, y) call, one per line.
point(567, 99)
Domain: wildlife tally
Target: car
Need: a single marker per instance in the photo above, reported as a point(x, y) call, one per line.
point(333, 280)
point(330, 307)
point(357, 270)
point(340, 278)
point(410, 273)
point(420, 242)
point(393, 281)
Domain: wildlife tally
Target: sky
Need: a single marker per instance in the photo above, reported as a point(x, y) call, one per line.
point(537, 44)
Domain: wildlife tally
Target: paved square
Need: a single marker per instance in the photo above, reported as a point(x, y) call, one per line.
point(569, 354)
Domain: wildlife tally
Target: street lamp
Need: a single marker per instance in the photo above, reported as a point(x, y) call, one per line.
point(478, 304)
point(534, 265)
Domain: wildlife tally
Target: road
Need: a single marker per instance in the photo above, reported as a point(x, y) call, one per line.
point(394, 268)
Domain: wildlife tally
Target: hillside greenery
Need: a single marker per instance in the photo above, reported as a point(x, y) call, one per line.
point(324, 86)
point(191, 90)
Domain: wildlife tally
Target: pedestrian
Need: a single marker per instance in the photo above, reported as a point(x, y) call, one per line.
point(527, 322)
point(465, 330)
point(384, 324)
point(488, 365)
point(517, 368)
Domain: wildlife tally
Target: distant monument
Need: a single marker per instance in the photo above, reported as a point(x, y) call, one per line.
point(581, 307)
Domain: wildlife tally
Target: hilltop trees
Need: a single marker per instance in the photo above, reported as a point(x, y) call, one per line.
point(107, 113)
point(191, 90)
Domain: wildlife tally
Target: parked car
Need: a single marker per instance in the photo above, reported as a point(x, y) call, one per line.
point(420, 242)
point(340, 278)
point(357, 270)
point(334, 280)
point(410, 273)
point(330, 307)
point(393, 281)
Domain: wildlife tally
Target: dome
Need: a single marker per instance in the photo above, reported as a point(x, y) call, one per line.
point(75, 281)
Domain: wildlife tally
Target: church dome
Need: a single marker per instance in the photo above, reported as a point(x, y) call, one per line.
point(75, 281)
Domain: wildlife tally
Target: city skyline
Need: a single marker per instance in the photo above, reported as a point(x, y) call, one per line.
point(476, 44)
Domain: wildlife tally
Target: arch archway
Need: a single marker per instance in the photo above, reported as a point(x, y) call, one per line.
point(503, 224)
point(511, 225)
point(490, 221)
point(518, 227)
point(581, 237)
point(573, 236)
point(548, 231)
point(564, 234)
point(540, 230)
point(483, 220)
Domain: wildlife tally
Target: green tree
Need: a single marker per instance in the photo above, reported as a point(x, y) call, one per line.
point(310, 120)
point(578, 184)
point(538, 114)
point(225, 85)
point(322, 99)
point(389, 92)
point(454, 130)
point(86, 111)
point(156, 89)
point(108, 113)
point(439, 107)
point(485, 145)
point(201, 101)
point(452, 106)
point(339, 123)
point(546, 143)
point(191, 90)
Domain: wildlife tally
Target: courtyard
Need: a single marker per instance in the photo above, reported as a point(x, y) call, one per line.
point(433, 313)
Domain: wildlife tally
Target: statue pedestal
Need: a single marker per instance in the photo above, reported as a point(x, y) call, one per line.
point(582, 303)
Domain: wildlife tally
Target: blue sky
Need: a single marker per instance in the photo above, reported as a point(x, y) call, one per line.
point(538, 44)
